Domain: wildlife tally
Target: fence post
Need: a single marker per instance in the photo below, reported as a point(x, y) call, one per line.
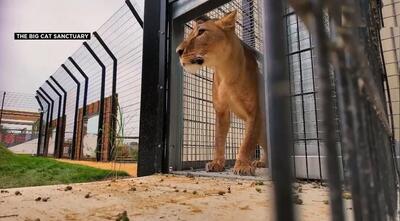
point(134, 12)
point(73, 149)
point(328, 124)
point(40, 125)
point(113, 118)
point(56, 142)
point(84, 114)
point(2, 106)
point(153, 154)
point(101, 112)
point(277, 83)
point(47, 120)
point(62, 132)
point(50, 120)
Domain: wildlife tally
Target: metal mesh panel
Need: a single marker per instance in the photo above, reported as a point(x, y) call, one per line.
point(198, 111)
point(122, 35)
point(17, 132)
point(309, 152)
point(70, 87)
point(19, 101)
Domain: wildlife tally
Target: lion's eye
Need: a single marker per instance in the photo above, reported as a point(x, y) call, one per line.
point(200, 32)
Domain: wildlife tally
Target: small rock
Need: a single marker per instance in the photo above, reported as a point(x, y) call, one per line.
point(229, 189)
point(176, 190)
point(45, 199)
point(194, 192)
point(132, 189)
point(122, 216)
point(247, 207)
point(4, 191)
point(239, 183)
point(189, 175)
point(347, 195)
point(37, 219)
point(326, 202)
point(68, 188)
point(259, 183)
point(17, 193)
point(298, 201)
point(300, 190)
point(197, 182)
point(258, 189)
point(296, 186)
point(38, 199)
point(184, 191)
point(221, 192)
point(161, 180)
point(174, 187)
point(87, 195)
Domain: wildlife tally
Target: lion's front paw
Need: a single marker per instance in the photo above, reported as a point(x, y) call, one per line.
point(215, 166)
point(259, 164)
point(244, 168)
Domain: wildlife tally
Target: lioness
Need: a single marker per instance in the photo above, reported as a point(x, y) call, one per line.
point(213, 43)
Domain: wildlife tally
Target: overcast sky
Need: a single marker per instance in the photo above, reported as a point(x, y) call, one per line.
point(26, 64)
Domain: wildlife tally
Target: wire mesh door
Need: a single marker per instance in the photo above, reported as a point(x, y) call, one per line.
point(308, 152)
point(197, 113)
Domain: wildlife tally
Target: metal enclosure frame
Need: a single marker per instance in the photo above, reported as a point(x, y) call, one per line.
point(62, 132)
point(181, 13)
point(153, 153)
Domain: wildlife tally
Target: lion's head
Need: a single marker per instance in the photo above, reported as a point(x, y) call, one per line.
point(208, 43)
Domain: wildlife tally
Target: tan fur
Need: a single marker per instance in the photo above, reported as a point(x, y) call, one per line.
point(213, 43)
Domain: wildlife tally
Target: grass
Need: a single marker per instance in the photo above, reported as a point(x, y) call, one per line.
point(24, 170)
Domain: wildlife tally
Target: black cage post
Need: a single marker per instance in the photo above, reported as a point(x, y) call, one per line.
point(102, 91)
point(50, 119)
point(40, 125)
point(62, 132)
point(47, 120)
point(328, 124)
point(2, 106)
point(78, 87)
point(279, 98)
point(134, 12)
point(85, 93)
point(56, 142)
point(113, 118)
point(152, 131)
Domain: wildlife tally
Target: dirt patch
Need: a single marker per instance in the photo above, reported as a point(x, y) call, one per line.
point(130, 168)
point(158, 197)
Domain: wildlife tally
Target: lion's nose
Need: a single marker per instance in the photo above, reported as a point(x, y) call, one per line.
point(180, 52)
point(199, 61)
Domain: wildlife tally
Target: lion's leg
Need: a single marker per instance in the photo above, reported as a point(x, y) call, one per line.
point(221, 130)
point(243, 160)
point(262, 141)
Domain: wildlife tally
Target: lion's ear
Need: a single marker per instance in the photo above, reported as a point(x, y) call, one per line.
point(202, 19)
point(228, 21)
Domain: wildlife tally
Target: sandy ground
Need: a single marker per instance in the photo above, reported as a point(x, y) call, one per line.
point(130, 168)
point(158, 197)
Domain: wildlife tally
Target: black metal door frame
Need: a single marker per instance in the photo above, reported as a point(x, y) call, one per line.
point(182, 11)
point(153, 154)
